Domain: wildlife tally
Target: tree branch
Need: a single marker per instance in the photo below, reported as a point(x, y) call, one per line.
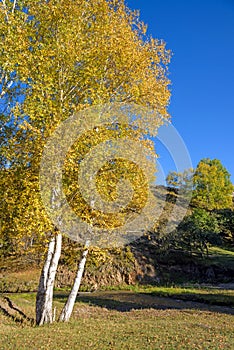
point(14, 5)
point(5, 8)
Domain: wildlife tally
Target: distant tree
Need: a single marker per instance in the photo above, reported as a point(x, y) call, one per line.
point(198, 230)
point(226, 224)
point(181, 180)
point(212, 186)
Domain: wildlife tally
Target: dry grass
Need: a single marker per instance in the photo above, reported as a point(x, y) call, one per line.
point(122, 320)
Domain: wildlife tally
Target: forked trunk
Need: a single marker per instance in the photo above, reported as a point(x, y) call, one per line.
point(68, 307)
point(41, 291)
point(44, 312)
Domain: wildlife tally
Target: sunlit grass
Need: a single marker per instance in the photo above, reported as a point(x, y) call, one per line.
point(96, 327)
point(221, 251)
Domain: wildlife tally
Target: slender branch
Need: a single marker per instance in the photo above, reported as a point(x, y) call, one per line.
point(5, 8)
point(5, 86)
point(14, 5)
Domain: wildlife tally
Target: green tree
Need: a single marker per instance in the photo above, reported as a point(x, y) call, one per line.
point(212, 186)
point(197, 231)
point(226, 225)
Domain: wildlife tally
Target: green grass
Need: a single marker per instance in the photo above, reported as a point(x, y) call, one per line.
point(137, 330)
point(222, 256)
point(221, 251)
point(102, 328)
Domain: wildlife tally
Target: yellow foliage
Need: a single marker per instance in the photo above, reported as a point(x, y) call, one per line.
point(65, 56)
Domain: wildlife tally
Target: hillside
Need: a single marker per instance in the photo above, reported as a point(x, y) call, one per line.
point(144, 261)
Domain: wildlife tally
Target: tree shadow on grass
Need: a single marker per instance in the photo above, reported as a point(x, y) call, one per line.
point(10, 310)
point(127, 301)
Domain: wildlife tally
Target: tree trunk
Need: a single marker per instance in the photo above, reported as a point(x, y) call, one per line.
point(40, 301)
point(44, 312)
point(68, 307)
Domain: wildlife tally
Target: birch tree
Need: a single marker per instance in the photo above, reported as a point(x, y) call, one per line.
point(58, 58)
point(68, 307)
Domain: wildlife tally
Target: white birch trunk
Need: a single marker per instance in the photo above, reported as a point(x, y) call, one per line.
point(68, 307)
point(44, 308)
point(40, 301)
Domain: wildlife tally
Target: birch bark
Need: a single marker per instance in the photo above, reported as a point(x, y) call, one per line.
point(44, 302)
point(68, 308)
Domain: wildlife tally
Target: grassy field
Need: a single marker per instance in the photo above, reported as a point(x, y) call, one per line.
point(117, 320)
point(221, 256)
point(192, 316)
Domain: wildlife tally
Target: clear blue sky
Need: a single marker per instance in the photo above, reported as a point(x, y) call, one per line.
point(200, 34)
